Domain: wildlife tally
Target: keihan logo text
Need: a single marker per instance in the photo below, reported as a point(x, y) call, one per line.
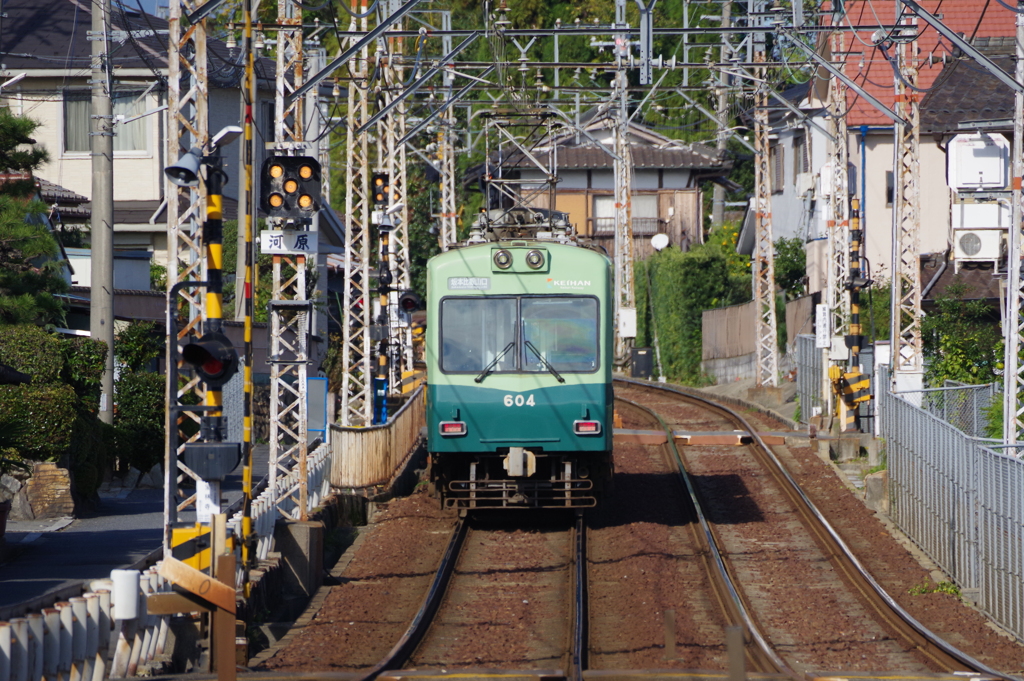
point(568, 283)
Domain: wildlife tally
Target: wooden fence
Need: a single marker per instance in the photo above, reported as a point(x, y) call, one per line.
point(729, 331)
point(363, 457)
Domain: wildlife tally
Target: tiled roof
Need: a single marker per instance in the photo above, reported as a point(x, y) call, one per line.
point(975, 19)
point(592, 157)
point(52, 34)
point(965, 92)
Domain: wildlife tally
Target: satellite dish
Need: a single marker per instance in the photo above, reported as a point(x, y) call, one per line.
point(659, 241)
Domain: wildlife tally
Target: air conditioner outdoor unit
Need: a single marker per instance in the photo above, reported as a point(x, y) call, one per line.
point(977, 245)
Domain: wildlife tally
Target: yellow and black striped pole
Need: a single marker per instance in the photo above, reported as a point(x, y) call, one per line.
point(213, 241)
point(248, 95)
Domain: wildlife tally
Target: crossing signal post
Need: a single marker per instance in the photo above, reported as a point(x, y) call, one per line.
point(290, 187)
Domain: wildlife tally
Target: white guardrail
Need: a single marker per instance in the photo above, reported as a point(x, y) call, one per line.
point(93, 637)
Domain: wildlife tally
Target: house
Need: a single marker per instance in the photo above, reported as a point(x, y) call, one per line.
point(799, 175)
point(47, 40)
point(666, 184)
point(871, 134)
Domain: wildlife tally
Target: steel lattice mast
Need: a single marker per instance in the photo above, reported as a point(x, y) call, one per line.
point(763, 261)
point(1013, 368)
point(837, 296)
point(357, 390)
point(291, 312)
point(187, 127)
point(392, 128)
point(625, 295)
point(446, 139)
point(907, 356)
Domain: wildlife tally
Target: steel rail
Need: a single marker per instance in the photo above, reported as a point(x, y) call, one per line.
point(580, 631)
point(914, 633)
point(760, 654)
point(402, 650)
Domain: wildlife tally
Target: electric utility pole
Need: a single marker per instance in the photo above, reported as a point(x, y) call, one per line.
point(722, 111)
point(101, 142)
point(1013, 378)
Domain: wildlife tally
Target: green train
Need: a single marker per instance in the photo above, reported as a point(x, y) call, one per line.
point(519, 374)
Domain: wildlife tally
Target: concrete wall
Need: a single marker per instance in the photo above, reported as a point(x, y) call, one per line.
point(730, 369)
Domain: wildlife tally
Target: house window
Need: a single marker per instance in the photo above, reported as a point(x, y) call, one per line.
point(604, 215)
point(889, 189)
point(77, 119)
point(778, 158)
point(801, 155)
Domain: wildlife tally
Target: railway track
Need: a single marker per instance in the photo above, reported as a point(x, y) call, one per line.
point(654, 578)
point(669, 405)
point(484, 562)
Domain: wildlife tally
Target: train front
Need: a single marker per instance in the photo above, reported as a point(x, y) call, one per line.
point(519, 349)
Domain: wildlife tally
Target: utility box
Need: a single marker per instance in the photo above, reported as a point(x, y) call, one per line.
point(642, 363)
point(978, 162)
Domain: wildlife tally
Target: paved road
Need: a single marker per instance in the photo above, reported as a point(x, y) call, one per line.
point(51, 554)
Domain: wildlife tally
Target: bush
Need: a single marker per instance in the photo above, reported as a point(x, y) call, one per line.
point(138, 344)
point(48, 414)
point(683, 285)
point(139, 421)
point(84, 360)
point(33, 351)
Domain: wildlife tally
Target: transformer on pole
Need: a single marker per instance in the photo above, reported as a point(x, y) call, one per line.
point(907, 355)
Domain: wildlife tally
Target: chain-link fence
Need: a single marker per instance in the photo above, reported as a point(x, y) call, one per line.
point(957, 497)
point(962, 405)
point(808, 377)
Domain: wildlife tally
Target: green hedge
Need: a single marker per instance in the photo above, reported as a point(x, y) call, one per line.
point(48, 414)
point(682, 286)
point(84, 359)
point(139, 422)
point(33, 351)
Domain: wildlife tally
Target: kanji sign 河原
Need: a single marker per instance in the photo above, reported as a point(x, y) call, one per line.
point(287, 242)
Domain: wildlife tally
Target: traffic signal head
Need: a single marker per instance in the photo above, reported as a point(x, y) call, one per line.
point(381, 190)
point(213, 358)
point(290, 186)
point(409, 302)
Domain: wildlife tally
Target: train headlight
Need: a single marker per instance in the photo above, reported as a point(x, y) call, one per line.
point(535, 259)
point(503, 259)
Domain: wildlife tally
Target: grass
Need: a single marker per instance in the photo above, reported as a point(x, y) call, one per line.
point(926, 587)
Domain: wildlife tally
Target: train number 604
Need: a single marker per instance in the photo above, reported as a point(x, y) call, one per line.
point(519, 400)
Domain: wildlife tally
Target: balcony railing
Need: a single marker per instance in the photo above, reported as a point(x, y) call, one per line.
point(641, 226)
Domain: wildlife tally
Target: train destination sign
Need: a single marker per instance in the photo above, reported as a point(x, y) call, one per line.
point(469, 283)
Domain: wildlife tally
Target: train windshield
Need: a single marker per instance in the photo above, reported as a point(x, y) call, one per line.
point(559, 333)
point(475, 331)
point(529, 334)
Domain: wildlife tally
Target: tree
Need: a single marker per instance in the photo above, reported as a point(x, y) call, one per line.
point(961, 338)
point(790, 266)
point(30, 266)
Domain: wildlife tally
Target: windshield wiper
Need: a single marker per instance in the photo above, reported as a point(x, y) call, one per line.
point(494, 362)
point(543, 361)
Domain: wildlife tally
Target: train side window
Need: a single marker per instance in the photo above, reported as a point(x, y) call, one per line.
point(474, 331)
point(562, 330)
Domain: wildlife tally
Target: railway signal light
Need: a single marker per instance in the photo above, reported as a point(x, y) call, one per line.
point(213, 358)
point(409, 302)
point(290, 186)
point(381, 190)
